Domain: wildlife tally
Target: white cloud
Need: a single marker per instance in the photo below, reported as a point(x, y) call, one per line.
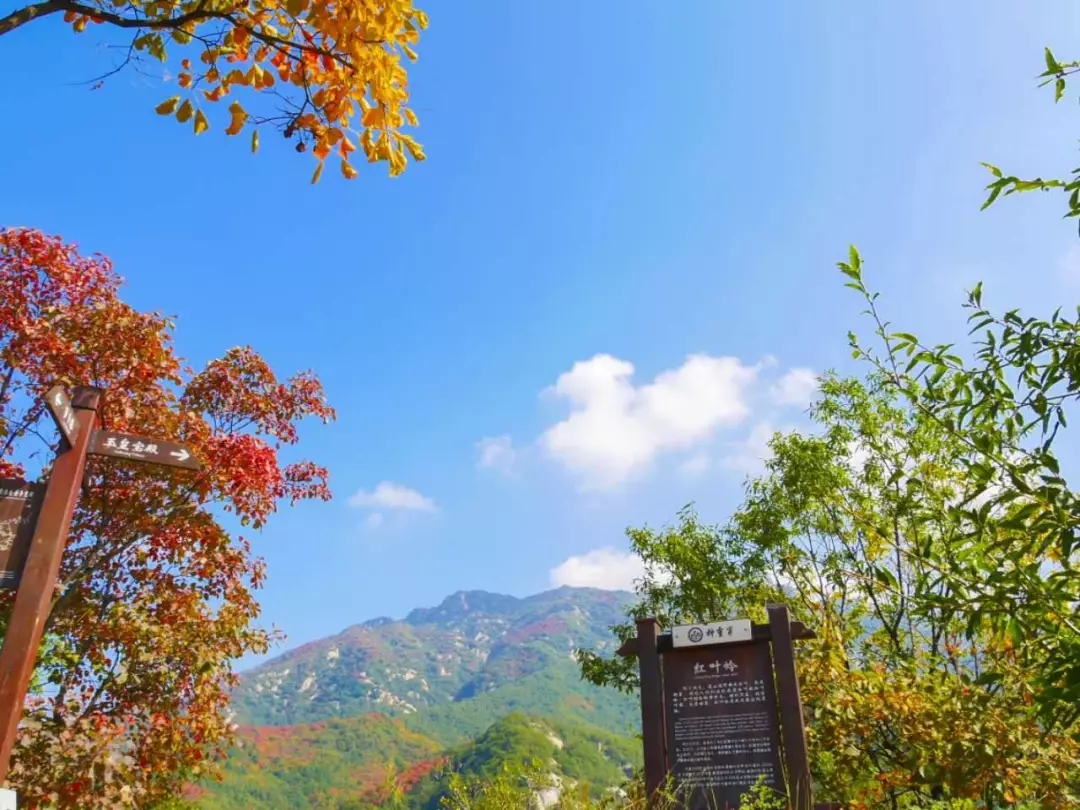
point(388, 495)
point(606, 568)
point(616, 429)
point(496, 453)
point(797, 387)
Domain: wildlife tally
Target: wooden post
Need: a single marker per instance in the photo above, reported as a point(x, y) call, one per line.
point(791, 716)
point(33, 600)
point(653, 732)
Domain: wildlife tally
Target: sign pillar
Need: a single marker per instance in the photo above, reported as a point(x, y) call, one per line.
point(652, 708)
point(792, 722)
point(33, 600)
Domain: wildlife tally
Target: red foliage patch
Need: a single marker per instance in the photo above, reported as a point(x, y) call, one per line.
point(551, 626)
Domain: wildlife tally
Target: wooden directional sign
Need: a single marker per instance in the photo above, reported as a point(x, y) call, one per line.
point(19, 505)
point(63, 414)
point(140, 448)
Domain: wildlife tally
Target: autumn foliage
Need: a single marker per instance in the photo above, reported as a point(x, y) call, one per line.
point(328, 75)
point(156, 597)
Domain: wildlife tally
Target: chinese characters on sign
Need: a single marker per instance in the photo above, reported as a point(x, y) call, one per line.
point(19, 504)
point(716, 633)
point(139, 448)
point(62, 413)
point(722, 722)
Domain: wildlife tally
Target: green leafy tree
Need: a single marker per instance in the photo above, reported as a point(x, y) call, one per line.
point(1010, 563)
point(908, 704)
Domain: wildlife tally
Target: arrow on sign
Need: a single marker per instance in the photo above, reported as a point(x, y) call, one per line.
point(141, 448)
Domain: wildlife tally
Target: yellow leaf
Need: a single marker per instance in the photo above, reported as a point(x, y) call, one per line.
point(295, 7)
point(185, 111)
point(397, 162)
point(372, 117)
point(414, 148)
point(409, 52)
point(254, 141)
point(201, 124)
point(167, 106)
point(238, 119)
point(80, 24)
point(410, 116)
point(318, 173)
point(347, 170)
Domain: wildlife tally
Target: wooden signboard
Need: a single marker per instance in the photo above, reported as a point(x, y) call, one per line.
point(723, 728)
point(63, 414)
point(19, 505)
point(721, 710)
point(141, 448)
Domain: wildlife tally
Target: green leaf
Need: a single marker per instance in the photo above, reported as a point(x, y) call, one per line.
point(1052, 65)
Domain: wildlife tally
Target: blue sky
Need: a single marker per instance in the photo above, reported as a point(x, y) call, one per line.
point(636, 180)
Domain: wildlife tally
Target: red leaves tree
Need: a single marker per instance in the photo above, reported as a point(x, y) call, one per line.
point(156, 598)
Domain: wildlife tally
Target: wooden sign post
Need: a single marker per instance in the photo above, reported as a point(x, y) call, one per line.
point(39, 532)
point(721, 710)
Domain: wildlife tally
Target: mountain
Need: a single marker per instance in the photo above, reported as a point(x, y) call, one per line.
point(473, 644)
point(479, 680)
point(345, 764)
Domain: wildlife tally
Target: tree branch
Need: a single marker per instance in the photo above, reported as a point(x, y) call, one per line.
point(197, 14)
point(24, 15)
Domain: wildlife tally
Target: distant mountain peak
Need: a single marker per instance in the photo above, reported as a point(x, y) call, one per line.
point(464, 603)
point(473, 642)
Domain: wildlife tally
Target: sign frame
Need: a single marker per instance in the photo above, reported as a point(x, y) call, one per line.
point(777, 637)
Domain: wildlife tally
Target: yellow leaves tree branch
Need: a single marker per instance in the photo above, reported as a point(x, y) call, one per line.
point(334, 69)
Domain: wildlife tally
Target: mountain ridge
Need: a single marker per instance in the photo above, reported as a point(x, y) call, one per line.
point(470, 643)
